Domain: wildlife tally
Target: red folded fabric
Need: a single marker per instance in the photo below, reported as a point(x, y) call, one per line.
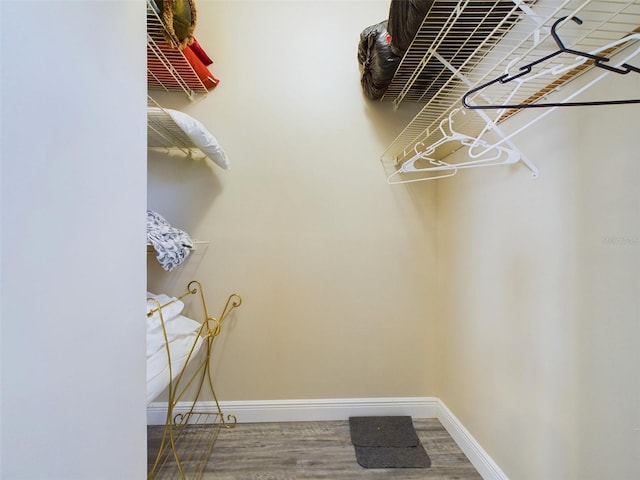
point(200, 53)
point(200, 68)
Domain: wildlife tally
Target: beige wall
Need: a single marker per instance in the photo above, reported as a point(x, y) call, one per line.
point(336, 268)
point(540, 283)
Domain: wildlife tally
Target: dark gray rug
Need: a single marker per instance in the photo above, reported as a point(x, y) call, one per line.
point(387, 442)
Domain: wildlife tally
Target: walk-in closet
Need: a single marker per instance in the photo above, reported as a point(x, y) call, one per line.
point(412, 211)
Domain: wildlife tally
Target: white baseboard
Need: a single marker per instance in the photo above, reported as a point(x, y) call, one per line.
point(483, 463)
point(257, 411)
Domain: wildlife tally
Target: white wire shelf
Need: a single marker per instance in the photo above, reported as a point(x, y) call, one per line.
point(167, 67)
point(163, 131)
point(463, 45)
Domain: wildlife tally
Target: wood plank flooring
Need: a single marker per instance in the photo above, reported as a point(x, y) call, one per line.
point(320, 450)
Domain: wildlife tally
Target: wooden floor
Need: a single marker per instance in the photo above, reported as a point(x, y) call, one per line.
point(320, 450)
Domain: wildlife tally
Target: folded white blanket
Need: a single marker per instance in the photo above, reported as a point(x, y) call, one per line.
point(182, 335)
point(176, 328)
point(171, 307)
point(158, 377)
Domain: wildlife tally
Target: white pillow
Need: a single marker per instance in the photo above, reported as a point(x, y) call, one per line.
point(200, 137)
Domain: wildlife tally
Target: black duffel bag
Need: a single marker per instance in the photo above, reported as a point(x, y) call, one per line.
point(377, 62)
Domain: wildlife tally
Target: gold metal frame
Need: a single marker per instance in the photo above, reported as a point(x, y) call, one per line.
point(175, 458)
